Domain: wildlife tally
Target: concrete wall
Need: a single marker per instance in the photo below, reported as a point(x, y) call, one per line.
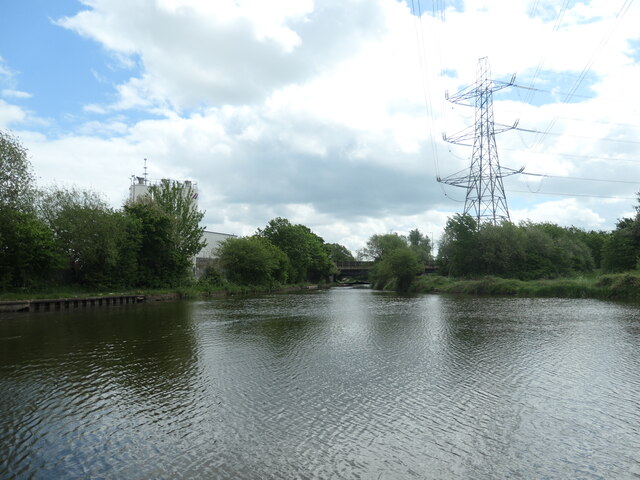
point(207, 255)
point(213, 239)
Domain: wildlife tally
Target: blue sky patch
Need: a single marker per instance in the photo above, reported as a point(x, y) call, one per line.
point(61, 71)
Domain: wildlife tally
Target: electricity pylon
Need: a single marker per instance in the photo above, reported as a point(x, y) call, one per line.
point(485, 199)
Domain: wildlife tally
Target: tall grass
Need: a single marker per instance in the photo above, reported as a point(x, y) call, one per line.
point(624, 286)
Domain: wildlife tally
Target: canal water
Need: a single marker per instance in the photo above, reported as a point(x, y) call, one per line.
point(342, 384)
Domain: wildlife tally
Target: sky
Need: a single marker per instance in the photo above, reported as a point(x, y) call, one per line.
point(330, 113)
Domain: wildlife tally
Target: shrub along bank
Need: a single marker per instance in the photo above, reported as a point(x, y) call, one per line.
point(619, 286)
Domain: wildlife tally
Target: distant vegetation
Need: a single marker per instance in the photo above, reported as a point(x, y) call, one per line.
point(56, 238)
point(279, 254)
point(62, 237)
point(525, 259)
point(397, 259)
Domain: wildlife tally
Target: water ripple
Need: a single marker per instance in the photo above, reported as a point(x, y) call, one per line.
point(339, 384)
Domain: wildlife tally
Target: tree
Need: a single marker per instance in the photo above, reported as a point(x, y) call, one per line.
point(28, 253)
point(395, 259)
point(540, 261)
point(27, 249)
point(168, 233)
point(420, 245)
point(569, 253)
point(339, 253)
point(524, 251)
point(399, 266)
point(91, 235)
point(380, 245)
point(16, 176)
point(501, 249)
point(253, 261)
point(176, 199)
point(459, 246)
point(157, 261)
point(595, 240)
point(621, 250)
point(309, 260)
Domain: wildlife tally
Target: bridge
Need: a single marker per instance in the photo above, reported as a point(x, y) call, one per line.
point(360, 269)
point(354, 269)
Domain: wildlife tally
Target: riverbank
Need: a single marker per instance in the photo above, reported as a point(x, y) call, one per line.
point(70, 299)
point(621, 286)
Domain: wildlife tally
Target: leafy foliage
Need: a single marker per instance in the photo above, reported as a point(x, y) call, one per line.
point(157, 260)
point(421, 246)
point(164, 234)
point(459, 246)
point(16, 176)
point(27, 249)
point(253, 261)
point(621, 251)
point(524, 251)
point(339, 253)
point(308, 257)
point(395, 257)
point(91, 236)
point(397, 268)
point(380, 245)
point(176, 199)
point(28, 253)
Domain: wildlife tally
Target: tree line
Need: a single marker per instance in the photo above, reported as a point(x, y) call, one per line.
point(529, 251)
point(60, 236)
point(281, 253)
point(524, 251)
point(66, 236)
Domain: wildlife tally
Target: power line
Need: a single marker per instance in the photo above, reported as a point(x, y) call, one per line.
point(603, 139)
point(565, 94)
point(420, 40)
point(572, 155)
point(542, 60)
point(572, 195)
point(588, 120)
point(605, 39)
point(581, 178)
point(603, 122)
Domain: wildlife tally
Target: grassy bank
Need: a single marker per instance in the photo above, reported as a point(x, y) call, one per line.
point(185, 292)
point(622, 286)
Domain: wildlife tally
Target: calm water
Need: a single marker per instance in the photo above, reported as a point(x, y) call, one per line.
point(333, 384)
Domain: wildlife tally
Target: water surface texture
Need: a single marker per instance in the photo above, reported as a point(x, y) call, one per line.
point(340, 384)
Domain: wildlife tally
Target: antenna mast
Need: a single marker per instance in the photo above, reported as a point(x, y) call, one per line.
point(145, 172)
point(485, 199)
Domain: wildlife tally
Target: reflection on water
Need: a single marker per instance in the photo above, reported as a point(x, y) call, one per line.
point(333, 384)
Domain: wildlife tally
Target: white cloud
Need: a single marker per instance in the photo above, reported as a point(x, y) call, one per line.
point(5, 71)
point(221, 52)
point(10, 114)
point(316, 110)
point(567, 212)
point(7, 92)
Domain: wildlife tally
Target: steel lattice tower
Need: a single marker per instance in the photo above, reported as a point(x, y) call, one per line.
point(485, 199)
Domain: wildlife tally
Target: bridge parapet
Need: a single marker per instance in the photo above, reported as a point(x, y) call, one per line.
point(354, 265)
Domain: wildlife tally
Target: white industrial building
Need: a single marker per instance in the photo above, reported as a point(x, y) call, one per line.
point(208, 254)
point(140, 186)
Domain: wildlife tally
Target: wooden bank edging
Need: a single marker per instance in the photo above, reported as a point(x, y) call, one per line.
point(61, 304)
point(55, 304)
